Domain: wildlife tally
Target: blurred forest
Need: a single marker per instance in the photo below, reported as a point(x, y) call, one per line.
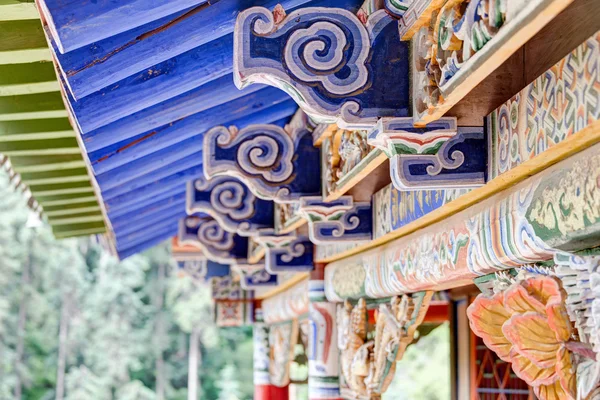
point(77, 324)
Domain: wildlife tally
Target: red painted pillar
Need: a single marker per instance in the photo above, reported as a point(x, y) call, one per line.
point(270, 392)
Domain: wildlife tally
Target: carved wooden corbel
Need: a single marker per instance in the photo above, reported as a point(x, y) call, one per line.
point(275, 164)
point(232, 204)
point(337, 221)
point(216, 243)
point(335, 67)
point(254, 276)
point(439, 155)
point(287, 253)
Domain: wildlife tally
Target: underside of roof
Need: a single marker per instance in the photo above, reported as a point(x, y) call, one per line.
point(143, 86)
point(35, 133)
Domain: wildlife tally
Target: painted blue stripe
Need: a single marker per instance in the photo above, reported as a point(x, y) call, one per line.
point(154, 189)
point(139, 146)
point(128, 252)
point(128, 249)
point(165, 156)
point(125, 217)
point(79, 23)
point(146, 203)
point(183, 164)
point(122, 55)
point(155, 84)
point(152, 221)
point(217, 92)
point(150, 163)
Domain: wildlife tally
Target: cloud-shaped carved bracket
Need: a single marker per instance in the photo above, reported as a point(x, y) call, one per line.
point(274, 163)
point(232, 204)
point(216, 243)
point(439, 156)
point(287, 253)
point(341, 220)
point(254, 276)
point(337, 69)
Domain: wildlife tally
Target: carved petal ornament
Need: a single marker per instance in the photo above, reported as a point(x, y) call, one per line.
point(528, 326)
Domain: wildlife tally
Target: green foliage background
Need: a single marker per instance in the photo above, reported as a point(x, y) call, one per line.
point(77, 324)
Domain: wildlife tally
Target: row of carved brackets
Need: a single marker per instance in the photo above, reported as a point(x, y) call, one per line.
point(288, 253)
point(282, 166)
point(338, 69)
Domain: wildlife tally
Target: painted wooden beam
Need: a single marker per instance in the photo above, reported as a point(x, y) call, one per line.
point(39, 129)
point(175, 167)
point(157, 201)
point(76, 218)
point(57, 176)
point(158, 159)
point(555, 210)
point(32, 106)
point(78, 229)
point(71, 209)
point(37, 164)
point(212, 94)
point(153, 219)
point(140, 236)
point(78, 23)
point(129, 150)
point(155, 211)
point(61, 188)
point(66, 200)
point(155, 84)
point(13, 10)
point(161, 237)
point(23, 42)
point(92, 68)
point(119, 217)
point(18, 79)
point(40, 147)
point(114, 199)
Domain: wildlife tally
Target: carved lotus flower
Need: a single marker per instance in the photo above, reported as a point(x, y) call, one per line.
point(528, 326)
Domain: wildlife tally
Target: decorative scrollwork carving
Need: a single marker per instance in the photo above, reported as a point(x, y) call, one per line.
point(337, 221)
point(334, 66)
point(232, 204)
point(216, 243)
point(266, 158)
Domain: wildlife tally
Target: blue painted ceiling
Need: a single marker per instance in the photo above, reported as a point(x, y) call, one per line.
point(143, 88)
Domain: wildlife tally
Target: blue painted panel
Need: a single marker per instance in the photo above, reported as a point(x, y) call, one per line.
point(85, 74)
point(140, 236)
point(165, 156)
point(181, 166)
point(79, 23)
point(160, 237)
point(156, 84)
point(122, 217)
point(153, 221)
point(217, 92)
point(170, 184)
point(141, 145)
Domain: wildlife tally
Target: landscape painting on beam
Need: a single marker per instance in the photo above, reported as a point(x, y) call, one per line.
point(335, 67)
point(558, 209)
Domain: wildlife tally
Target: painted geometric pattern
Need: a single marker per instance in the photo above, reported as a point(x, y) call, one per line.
point(555, 106)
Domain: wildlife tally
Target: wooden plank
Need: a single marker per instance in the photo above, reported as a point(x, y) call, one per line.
point(40, 147)
point(155, 85)
point(163, 229)
point(285, 286)
point(32, 106)
point(115, 200)
point(265, 103)
point(65, 200)
point(23, 42)
point(215, 93)
point(153, 220)
point(161, 237)
point(362, 171)
point(78, 23)
point(39, 129)
point(38, 164)
point(92, 216)
point(157, 159)
point(18, 79)
point(77, 229)
point(13, 10)
point(119, 217)
point(572, 145)
point(510, 37)
point(72, 209)
point(92, 68)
